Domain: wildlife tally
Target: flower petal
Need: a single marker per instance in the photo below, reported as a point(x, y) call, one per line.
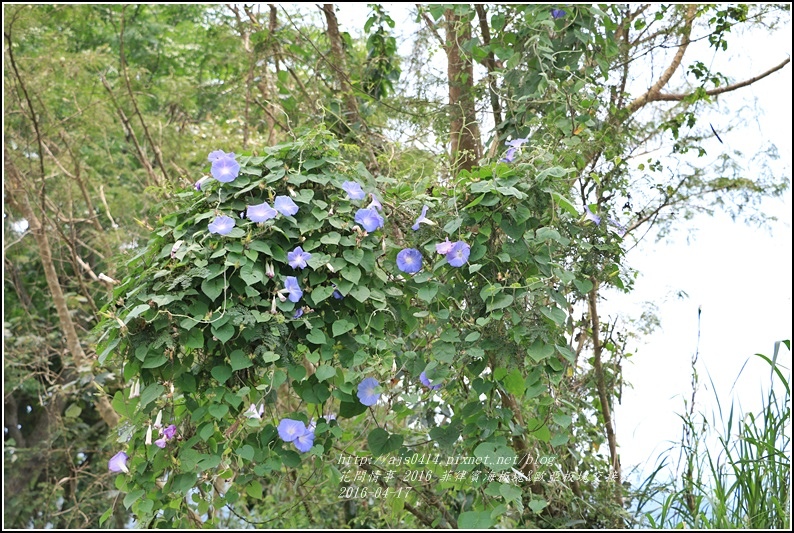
point(409, 260)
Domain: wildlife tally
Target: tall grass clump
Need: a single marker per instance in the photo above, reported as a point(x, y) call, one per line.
point(743, 480)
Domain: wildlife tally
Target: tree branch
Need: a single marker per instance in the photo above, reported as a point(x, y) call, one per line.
point(157, 154)
point(668, 97)
point(490, 64)
point(654, 91)
point(602, 392)
point(431, 26)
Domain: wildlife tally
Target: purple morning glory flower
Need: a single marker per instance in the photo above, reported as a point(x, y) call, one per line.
point(225, 169)
point(444, 247)
point(160, 443)
point(510, 155)
point(260, 213)
point(297, 258)
point(369, 218)
point(427, 383)
point(200, 182)
point(304, 442)
point(353, 190)
point(118, 463)
point(219, 154)
point(409, 260)
point(422, 219)
point(514, 145)
point(285, 205)
point(621, 229)
point(557, 13)
point(298, 313)
point(289, 429)
point(291, 286)
point(589, 215)
point(366, 391)
point(169, 432)
point(375, 203)
point(222, 225)
point(459, 254)
point(338, 295)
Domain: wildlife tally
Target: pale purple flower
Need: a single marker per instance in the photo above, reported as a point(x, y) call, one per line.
point(459, 254)
point(297, 258)
point(253, 412)
point(375, 203)
point(366, 391)
point(409, 260)
point(118, 463)
point(285, 205)
point(298, 313)
point(621, 229)
point(291, 286)
point(225, 169)
point(222, 225)
point(510, 155)
point(557, 13)
point(219, 154)
point(353, 190)
point(200, 183)
point(160, 443)
point(589, 215)
point(422, 219)
point(289, 429)
point(369, 219)
point(169, 432)
point(304, 442)
point(427, 383)
point(444, 247)
point(260, 212)
point(516, 143)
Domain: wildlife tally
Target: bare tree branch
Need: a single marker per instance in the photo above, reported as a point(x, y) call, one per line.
point(668, 97)
point(657, 87)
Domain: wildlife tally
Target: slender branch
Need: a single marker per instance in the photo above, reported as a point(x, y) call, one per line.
point(668, 97)
point(131, 133)
point(654, 91)
point(490, 64)
point(431, 26)
point(33, 116)
point(157, 154)
point(602, 392)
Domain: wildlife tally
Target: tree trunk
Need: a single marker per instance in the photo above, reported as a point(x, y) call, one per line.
point(17, 196)
point(464, 132)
